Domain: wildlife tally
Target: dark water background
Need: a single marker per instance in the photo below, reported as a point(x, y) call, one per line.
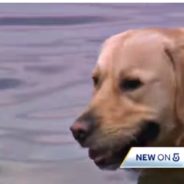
point(47, 52)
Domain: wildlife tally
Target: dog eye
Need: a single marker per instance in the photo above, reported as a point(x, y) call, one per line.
point(95, 80)
point(130, 84)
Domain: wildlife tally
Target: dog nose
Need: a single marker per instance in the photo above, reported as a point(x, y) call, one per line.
point(80, 131)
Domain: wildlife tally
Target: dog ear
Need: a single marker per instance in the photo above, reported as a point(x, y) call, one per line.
point(175, 52)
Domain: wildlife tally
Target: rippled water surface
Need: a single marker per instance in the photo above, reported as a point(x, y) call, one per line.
point(47, 52)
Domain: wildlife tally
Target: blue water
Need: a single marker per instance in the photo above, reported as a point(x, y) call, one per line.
point(47, 52)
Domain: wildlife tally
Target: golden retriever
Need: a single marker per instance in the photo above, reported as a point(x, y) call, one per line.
point(138, 99)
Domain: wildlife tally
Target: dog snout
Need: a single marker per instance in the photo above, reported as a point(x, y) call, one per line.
point(80, 131)
point(83, 127)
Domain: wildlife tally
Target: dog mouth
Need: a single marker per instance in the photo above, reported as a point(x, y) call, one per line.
point(111, 159)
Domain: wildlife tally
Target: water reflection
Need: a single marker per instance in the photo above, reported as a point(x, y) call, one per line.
point(49, 21)
point(8, 83)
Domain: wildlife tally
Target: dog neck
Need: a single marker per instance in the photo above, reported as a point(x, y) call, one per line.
point(173, 138)
point(161, 176)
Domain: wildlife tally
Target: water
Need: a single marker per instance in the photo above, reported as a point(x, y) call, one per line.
point(47, 52)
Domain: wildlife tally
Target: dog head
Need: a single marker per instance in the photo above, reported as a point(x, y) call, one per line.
point(138, 96)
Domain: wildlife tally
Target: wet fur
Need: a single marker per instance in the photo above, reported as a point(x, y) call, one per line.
point(156, 56)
